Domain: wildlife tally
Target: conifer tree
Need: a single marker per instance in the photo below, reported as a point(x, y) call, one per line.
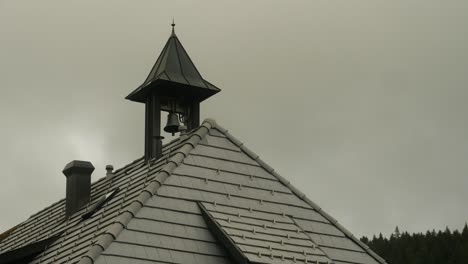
point(432, 247)
point(396, 232)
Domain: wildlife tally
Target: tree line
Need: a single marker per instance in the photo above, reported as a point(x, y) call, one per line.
point(442, 247)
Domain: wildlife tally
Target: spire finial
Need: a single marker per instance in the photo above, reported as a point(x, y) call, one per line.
point(173, 26)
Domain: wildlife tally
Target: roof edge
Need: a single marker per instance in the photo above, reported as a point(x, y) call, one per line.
point(296, 191)
point(130, 211)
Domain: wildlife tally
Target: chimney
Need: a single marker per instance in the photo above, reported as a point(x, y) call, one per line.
point(109, 173)
point(78, 175)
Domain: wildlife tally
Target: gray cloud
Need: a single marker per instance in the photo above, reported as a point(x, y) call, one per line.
point(360, 103)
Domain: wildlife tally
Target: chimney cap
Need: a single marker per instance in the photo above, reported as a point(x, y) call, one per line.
point(109, 173)
point(78, 166)
point(109, 168)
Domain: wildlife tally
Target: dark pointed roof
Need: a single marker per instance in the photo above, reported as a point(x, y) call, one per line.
point(174, 73)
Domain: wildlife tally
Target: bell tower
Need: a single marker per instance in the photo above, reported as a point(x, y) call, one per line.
point(174, 85)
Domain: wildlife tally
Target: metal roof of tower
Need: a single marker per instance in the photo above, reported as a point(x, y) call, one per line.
point(173, 72)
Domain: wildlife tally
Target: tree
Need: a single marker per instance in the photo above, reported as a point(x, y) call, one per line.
point(396, 233)
point(364, 240)
point(432, 247)
point(465, 233)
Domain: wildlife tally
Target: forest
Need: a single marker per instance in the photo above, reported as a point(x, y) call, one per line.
point(442, 247)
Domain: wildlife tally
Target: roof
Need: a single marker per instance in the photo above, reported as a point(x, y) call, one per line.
point(174, 66)
point(209, 199)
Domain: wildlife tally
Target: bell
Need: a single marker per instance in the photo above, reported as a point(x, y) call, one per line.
point(173, 124)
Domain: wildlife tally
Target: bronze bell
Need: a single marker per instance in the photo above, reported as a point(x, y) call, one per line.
point(173, 124)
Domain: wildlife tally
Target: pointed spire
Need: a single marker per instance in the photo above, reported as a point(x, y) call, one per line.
point(173, 26)
point(174, 74)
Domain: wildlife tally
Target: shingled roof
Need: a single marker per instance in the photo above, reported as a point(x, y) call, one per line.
point(209, 199)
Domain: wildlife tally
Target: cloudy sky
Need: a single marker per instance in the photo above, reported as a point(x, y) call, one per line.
point(362, 104)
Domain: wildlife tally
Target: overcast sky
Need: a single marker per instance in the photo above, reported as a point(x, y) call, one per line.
point(361, 104)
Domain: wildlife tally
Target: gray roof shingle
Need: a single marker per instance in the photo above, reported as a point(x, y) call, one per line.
point(158, 214)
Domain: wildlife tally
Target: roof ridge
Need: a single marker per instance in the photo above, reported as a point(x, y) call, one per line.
point(190, 59)
point(190, 142)
point(296, 191)
point(180, 62)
